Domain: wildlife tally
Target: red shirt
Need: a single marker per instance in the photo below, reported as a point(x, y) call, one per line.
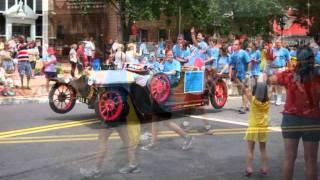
point(81, 55)
point(302, 98)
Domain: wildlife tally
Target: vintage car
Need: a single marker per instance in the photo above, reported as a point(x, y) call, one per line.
point(107, 91)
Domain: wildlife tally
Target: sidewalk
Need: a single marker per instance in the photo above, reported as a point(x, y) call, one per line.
point(37, 94)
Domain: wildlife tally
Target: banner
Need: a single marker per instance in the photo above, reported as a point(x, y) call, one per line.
point(194, 82)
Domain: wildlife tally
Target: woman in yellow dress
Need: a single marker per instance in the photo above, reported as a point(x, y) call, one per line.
point(257, 131)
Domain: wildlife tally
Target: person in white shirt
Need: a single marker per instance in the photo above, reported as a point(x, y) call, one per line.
point(73, 58)
point(115, 46)
point(89, 49)
point(120, 57)
point(131, 55)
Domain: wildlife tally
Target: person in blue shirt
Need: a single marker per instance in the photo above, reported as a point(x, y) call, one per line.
point(177, 48)
point(222, 65)
point(238, 67)
point(255, 57)
point(143, 50)
point(213, 53)
point(154, 65)
point(200, 44)
point(281, 57)
point(172, 68)
point(317, 63)
point(293, 52)
point(161, 49)
point(317, 58)
point(181, 50)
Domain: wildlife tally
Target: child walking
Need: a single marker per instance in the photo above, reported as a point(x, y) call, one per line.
point(258, 126)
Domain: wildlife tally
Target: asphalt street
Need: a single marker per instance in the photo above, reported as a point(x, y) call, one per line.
point(38, 144)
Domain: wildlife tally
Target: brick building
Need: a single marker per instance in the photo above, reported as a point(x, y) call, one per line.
point(63, 22)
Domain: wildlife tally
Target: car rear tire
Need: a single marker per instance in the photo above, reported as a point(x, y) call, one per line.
point(160, 88)
point(219, 94)
point(111, 105)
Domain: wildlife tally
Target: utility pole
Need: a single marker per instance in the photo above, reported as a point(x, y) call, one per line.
point(180, 18)
point(308, 6)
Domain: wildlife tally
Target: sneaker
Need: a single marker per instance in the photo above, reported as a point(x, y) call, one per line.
point(130, 169)
point(278, 101)
point(147, 147)
point(90, 173)
point(207, 127)
point(146, 136)
point(187, 143)
point(273, 98)
point(242, 111)
point(185, 124)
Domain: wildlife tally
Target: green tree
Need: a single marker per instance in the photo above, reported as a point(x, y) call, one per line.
point(248, 16)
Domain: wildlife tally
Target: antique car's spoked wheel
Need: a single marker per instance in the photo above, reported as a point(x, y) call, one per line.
point(160, 88)
point(219, 95)
point(110, 105)
point(62, 98)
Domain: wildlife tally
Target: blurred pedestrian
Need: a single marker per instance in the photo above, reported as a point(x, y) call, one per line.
point(301, 113)
point(124, 127)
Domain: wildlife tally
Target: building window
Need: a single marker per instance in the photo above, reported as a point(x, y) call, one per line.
point(162, 34)
point(39, 26)
point(2, 25)
point(11, 3)
point(39, 6)
point(30, 3)
point(21, 29)
point(60, 32)
point(2, 5)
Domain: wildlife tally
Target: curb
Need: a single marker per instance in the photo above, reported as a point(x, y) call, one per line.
point(23, 100)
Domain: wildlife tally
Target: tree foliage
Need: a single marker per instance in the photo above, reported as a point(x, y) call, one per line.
point(240, 16)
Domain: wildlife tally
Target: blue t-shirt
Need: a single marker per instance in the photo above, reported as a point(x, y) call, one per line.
point(239, 61)
point(202, 50)
point(222, 61)
point(213, 53)
point(293, 53)
point(177, 51)
point(160, 53)
point(174, 65)
point(255, 68)
point(282, 56)
point(156, 66)
point(161, 45)
point(181, 53)
point(96, 64)
point(317, 58)
point(143, 49)
point(185, 53)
